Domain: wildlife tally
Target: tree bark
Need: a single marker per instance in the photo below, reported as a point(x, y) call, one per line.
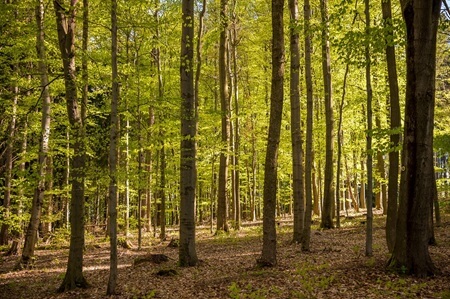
point(65, 22)
point(369, 217)
point(4, 232)
point(411, 242)
point(327, 220)
point(394, 116)
point(222, 206)
point(306, 234)
point(113, 156)
point(269, 257)
point(296, 131)
point(188, 166)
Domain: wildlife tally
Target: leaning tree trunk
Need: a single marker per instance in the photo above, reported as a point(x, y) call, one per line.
point(269, 257)
point(188, 166)
point(327, 220)
point(417, 178)
point(296, 132)
point(66, 36)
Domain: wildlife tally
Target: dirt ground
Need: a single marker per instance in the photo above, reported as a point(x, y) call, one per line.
point(336, 267)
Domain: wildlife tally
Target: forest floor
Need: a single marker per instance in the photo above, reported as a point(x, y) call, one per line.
point(336, 267)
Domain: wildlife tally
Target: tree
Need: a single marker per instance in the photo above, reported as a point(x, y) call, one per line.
point(394, 113)
point(306, 234)
point(410, 252)
point(269, 257)
point(38, 198)
point(188, 167)
point(222, 204)
point(296, 132)
point(113, 152)
point(327, 221)
point(65, 22)
point(368, 136)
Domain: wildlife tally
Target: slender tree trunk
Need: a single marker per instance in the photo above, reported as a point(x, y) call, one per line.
point(296, 131)
point(236, 156)
point(66, 36)
point(381, 201)
point(306, 234)
point(113, 156)
point(269, 256)
point(188, 166)
point(417, 178)
point(395, 124)
point(222, 212)
point(327, 220)
point(339, 154)
point(48, 198)
point(369, 136)
point(4, 232)
point(162, 187)
point(149, 169)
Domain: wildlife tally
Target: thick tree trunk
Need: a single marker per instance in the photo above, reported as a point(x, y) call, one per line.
point(269, 257)
point(188, 166)
point(296, 131)
point(309, 176)
point(327, 220)
point(413, 233)
point(222, 206)
point(394, 116)
point(66, 36)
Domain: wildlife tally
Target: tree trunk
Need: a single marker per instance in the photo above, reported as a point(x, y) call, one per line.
point(188, 166)
point(113, 156)
point(392, 200)
point(222, 207)
point(149, 169)
point(236, 140)
point(66, 36)
point(4, 232)
point(411, 243)
point(339, 154)
point(369, 217)
point(269, 257)
point(38, 198)
point(306, 234)
point(327, 221)
point(162, 187)
point(296, 132)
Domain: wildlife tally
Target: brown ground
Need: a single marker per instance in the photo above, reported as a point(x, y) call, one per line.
point(335, 268)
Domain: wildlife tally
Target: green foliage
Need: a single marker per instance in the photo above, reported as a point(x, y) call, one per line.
point(314, 278)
